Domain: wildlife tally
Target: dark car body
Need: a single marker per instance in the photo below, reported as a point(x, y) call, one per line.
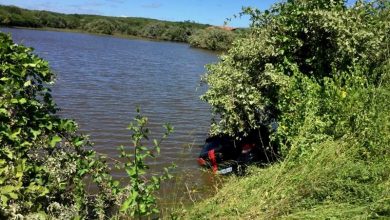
point(225, 154)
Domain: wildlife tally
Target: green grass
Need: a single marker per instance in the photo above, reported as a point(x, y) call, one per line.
point(331, 100)
point(332, 182)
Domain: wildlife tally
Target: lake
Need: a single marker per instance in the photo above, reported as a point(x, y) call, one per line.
point(102, 79)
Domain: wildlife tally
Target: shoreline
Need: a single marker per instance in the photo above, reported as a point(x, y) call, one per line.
point(116, 35)
point(67, 30)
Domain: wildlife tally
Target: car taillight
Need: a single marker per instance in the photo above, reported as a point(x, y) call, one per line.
point(201, 162)
point(247, 147)
point(213, 160)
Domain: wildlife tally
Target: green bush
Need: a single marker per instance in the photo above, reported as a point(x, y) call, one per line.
point(319, 38)
point(153, 30)
point(43, 161)
point(139, 196)
point(177, 33)
point(100, 26)
point(212, 38)
point(321, 71)
point(46, 165)
point(337, 158)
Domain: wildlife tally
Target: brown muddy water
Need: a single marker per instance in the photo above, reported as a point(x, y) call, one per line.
point(101, 80)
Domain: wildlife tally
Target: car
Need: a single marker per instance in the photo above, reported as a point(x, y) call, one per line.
point(224, 154)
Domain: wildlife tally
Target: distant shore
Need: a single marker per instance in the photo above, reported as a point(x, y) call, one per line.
point(197, 35)
point(116, 35)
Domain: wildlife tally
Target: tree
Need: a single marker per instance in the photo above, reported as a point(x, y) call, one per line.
point(154, 30)
point(44, 163)
point(101, 26)
point(317, 38)
point(212, 38)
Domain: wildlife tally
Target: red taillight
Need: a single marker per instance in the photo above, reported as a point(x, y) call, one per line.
point(213, 161)
point(247, 147)
point(201, 162)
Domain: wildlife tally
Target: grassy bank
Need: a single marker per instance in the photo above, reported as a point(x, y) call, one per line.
point(320, 70)
point(342, 173)
point(332, 182)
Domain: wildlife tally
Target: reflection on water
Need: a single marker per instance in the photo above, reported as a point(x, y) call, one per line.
point(101, 80)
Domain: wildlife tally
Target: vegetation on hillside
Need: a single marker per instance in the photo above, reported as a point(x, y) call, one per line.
point(320, 70)
point(47, 167)
point(212, 38)
point(125, 26)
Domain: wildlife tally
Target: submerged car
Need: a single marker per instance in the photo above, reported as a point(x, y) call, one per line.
point(224, 154)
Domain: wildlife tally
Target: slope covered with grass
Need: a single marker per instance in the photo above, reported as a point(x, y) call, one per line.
point(345, 177)
point(319, 69)
point(332, 182)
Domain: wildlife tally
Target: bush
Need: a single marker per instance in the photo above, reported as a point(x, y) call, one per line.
point(100, 26)
point(336, 162)
point(139, 196)
point(46, 165)
point(318, 38)
point(321, 71)
point(43, 161)
point(212, 38)
point(153, 30)
point(177, 33)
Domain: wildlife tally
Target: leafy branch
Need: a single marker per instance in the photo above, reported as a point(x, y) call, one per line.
point(140, 199)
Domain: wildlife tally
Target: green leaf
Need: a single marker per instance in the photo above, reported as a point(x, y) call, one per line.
point(142, 148)
point(22, 101)
point(44, 191)
point(8, 153)
point(115, 183)
point(15, 134)
point(4, 200)
point(30, 65)
point(13, 195)
point(79, 143)
point(130, 172)
point(35, 133)
point(7, 189)
point(49, 126)
point(158, 150)
point(125, 206)
point(27, 83)
point(55, 140)
point(3, 111)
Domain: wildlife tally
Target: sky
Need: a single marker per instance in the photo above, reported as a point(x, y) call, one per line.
point(213, 12)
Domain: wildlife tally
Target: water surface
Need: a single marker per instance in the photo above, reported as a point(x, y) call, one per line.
point(101, 80)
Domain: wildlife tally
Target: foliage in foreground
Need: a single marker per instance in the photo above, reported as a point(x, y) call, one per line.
point(46, 166)
point(321, 71)
point(342, 173)
point(333, 182)
point(141, 200)
point(319, 38)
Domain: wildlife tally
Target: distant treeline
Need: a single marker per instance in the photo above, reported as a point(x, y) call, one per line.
point(198, 35)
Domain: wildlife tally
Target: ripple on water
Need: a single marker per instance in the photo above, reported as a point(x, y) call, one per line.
point(100, 81)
